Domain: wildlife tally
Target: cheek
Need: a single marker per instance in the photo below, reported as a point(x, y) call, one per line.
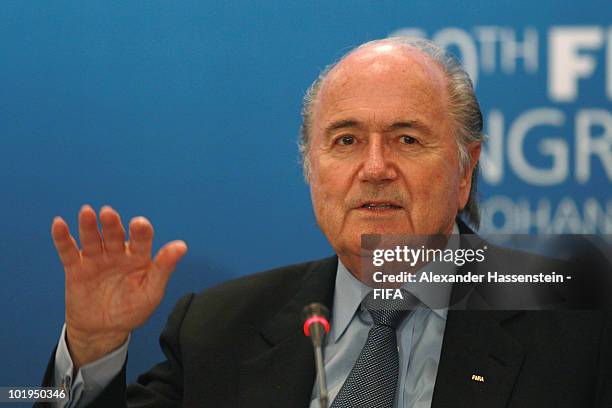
point(327, 211)
point(319, 200)
point(323, 200)
point(329, 190)
point(330, 179)
point(434, 185)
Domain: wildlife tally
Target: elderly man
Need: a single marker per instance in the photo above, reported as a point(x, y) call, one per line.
point(391, 139)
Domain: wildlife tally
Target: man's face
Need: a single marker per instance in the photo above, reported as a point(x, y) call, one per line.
point(383, 157)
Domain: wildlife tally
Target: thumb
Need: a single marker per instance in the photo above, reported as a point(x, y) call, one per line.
point(168, 256)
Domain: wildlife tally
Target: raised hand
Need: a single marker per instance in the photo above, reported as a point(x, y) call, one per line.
point(112, 286)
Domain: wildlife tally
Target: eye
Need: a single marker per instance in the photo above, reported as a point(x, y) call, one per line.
point(405, 139)
point(346, 140)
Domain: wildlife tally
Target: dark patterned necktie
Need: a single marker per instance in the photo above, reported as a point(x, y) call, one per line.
point(373, 380)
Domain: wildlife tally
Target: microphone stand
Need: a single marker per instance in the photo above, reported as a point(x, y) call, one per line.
point(316, 326)
point(317, 335)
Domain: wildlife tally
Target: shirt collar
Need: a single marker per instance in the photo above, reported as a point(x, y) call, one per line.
point(348, 294)
point(350, 291)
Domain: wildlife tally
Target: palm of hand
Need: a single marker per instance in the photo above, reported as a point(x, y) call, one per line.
point(112, 286)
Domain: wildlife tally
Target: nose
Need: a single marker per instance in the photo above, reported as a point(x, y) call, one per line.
point(377, 166)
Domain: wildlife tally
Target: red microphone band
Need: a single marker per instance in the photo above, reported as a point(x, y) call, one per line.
point(315, 319)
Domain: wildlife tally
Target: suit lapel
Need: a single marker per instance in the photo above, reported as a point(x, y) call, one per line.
point(479, 362)
point(278, 363)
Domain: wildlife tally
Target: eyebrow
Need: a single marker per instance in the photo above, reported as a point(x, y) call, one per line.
point(352, 123)
point(410, 124)
point(342, 124)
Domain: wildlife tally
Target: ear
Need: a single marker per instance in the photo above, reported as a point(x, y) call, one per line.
point(465, 183)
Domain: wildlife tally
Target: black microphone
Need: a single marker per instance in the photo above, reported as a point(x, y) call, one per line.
point(316, 326)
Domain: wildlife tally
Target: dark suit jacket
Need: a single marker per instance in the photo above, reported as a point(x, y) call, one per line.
point(258, 355)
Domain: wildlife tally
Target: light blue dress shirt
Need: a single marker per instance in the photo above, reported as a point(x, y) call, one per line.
point(419, 340)
point(419, 337)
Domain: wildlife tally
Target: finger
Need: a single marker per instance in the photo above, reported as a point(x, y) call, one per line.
point(167, 258)
point(141, 236)
point(64, 243)
point(91, 242)
point(112, 230)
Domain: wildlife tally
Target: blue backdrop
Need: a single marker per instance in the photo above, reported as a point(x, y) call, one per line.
point(187, 113)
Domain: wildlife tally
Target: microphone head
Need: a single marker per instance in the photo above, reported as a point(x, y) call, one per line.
point(315, 313)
